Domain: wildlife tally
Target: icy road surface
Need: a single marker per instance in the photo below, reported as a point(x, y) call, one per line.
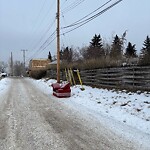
point(33, 120)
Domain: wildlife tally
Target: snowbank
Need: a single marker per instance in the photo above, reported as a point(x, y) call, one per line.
point(132, 109)
point(4, 85)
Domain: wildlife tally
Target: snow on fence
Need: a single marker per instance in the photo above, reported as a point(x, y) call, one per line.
point(135, 77)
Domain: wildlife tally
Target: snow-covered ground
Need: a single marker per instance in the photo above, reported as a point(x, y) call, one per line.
point(4, 84)
point(131, 110)
point(126, 113)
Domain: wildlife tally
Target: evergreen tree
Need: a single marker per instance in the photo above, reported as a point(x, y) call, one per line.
point(130, 51)
point(61, 54)
point(95, 50)
point(116, 49)
point(50, 56)
point(96, 41)
point(145, 52)
point(66, 54)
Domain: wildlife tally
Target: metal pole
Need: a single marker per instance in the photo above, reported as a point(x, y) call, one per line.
point(58, 41)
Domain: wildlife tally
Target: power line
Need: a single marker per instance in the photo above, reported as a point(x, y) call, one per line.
point(80, 20)
point(33, 28)
point(46, 42)
point(40, 40)
point(41, 21)
point(76, 25)
point(73, 5)
point(90, 18)
point(65, 38)
point(63, 4)
point(44, 47)
point(49, 38)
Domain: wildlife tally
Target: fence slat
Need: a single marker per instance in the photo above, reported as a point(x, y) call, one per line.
point(134, 77)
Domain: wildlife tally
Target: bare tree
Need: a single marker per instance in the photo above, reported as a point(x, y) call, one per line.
point(18, 68)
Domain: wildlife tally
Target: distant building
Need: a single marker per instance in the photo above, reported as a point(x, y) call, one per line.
point(38, 64)
point(38, 67)
point(53, 64)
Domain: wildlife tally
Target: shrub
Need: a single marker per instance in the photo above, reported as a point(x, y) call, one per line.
point(37, 74)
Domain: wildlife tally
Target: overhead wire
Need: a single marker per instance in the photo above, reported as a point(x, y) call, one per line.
point(43, 21)
point(34, 27)
point(79, 21)
point(76, 24)
point(72, 6)
point(65, 39)
point(63, 4)
point(42, 50)
point(40, 40)
point(69, 8)
point(45, 32)
point(48, 29)
point(47, 43)
point(87, 20)
point(90, 18)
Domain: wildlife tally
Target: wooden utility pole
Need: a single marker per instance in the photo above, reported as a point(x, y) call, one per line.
point(24, 60)
point(11, 65)
point(24, 57)
point(58, 41)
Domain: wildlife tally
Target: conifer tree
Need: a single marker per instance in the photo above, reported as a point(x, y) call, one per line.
point(95, 49)
point(130, 51)
point(96, 41)
point(145, 52)
point(116, 49)
point(66, 54)
point(49, 56)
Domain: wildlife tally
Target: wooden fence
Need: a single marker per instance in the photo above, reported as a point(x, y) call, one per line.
point(133, 78)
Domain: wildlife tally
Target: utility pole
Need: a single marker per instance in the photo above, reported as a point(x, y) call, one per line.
point(24, 59)
point(11, 65)
point(58, 41)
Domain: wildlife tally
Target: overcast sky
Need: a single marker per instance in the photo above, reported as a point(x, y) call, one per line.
point(30, 24)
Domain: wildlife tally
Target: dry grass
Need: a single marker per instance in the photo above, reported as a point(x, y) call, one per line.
point(89, 64)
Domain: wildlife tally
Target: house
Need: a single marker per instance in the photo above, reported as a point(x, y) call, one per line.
point(38, 67)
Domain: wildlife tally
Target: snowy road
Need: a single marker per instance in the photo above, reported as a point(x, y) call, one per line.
point(32, 120)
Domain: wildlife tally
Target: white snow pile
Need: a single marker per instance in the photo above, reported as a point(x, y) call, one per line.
point(132, 109)
point(4, 82)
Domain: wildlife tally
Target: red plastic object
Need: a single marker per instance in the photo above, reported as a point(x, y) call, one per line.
point(61, 91)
